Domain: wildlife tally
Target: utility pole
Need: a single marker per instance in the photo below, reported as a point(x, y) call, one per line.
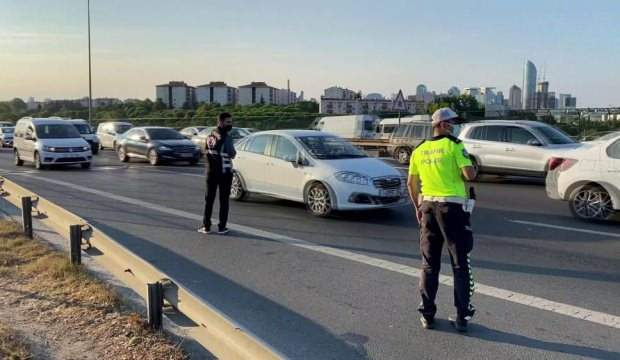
point(90, 82)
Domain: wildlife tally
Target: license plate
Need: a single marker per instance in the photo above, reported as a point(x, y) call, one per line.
point(186, 155)
point(389, 193)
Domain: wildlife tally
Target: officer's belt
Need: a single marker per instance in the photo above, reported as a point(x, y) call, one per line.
point(445, 199)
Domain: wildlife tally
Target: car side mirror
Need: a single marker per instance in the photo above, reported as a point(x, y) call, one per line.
point(143, 139)
point(300, 161)
point(534, 142)
point(29, 137)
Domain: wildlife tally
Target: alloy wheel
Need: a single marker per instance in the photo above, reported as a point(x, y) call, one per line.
point(319, 201)
point(592, 203)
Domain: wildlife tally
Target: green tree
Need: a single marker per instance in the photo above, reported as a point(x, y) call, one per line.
point(159, 105)
point(18, 105)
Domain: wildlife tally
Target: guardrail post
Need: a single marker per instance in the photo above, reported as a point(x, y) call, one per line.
point(27, 215)
point(75, 241)
point(155, 304)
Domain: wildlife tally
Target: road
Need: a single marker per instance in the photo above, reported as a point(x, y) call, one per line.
point(346, 287)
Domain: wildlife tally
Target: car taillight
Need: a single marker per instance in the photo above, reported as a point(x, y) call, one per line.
point(561, 164)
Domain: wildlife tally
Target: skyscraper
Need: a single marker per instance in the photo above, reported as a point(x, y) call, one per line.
point(542, 95)
point(514, 98)
point(529, 92)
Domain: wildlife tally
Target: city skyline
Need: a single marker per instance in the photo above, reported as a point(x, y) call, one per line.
point(132, 50)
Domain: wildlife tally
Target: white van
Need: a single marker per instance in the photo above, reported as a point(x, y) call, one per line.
point(349, 126)
point(387, 126)
point(109, 131)
point(87, 133)
point(44, 141)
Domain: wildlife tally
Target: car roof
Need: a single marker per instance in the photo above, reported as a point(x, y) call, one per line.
point(115, 122)
point(152, 127)
point(46, 121)
point(295, 133)
point(507, 122)
point(77, 121)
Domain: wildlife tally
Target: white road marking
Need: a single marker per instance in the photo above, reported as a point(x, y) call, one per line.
point(498, 293)
point(594, 232)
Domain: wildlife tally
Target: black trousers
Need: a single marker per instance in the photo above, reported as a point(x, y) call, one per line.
point(216, 181)
point(445, 222)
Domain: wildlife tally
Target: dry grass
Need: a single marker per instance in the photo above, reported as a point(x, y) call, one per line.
point(68, 302)
point(12, 346)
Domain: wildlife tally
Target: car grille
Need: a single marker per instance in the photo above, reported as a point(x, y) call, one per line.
point(68, 149)
point(70, 159)
point(387, 183)
point(186, 149)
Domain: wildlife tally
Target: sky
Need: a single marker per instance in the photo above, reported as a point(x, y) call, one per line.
point(372, 46)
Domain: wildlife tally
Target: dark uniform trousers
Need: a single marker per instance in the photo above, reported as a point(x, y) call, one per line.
point(442, 221)
point(223, 181)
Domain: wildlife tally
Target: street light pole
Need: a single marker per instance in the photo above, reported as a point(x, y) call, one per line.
point(90, 84)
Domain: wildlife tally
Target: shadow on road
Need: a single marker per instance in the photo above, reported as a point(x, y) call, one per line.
point(497, 336)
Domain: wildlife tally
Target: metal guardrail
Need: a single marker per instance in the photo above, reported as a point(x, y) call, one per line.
point(214, 330)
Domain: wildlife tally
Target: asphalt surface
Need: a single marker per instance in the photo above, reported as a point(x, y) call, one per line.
point(310, 304)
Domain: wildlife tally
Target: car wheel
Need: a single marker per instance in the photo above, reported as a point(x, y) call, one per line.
point(122, 155)
point(403, 155)
point(237, 192)
point(85, 165)
point(101, 146)
point(318, 200)
point(193, 162)
point(153, 158)
point(95, 150)
point(37, 162)
point(18, 161)
point(591, 203)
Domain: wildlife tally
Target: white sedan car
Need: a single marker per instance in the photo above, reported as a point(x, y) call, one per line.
point(588, 178)
point(319, 169)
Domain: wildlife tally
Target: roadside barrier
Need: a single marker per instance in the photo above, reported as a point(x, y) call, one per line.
point(214, 330)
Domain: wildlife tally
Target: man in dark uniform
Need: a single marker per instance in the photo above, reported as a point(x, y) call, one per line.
point(436, 171)
point(220, 152)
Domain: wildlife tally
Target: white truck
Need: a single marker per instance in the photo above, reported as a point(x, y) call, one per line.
point(349, 126)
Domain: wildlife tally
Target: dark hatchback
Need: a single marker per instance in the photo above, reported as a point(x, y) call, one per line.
point(157, 145)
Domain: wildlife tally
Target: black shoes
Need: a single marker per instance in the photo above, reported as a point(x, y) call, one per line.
point(223, 231)
point(207, 230)
point(459, 323)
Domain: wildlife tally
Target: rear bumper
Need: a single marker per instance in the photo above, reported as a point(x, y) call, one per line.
point(551, 186)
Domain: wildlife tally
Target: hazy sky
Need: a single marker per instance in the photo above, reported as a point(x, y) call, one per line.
point(373, 46)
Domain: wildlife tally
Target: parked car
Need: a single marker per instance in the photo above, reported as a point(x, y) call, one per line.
point(406, 138)
point(6, 124)
point(588, 178)
point(6, 136)
point(388, 126)
point(157, 145)
point(109, 131)
point(87, 133)
point(319, 169)
point(506, 147)
point(44, 141)
point(190, 132)
point(349, 126)
point(251, 130)
point(201, 139)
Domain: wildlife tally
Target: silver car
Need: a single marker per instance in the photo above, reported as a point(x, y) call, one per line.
point(513, 147)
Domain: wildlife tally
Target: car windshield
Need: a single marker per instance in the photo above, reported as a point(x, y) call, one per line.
point(83, 128)
point(8, 130)
point(122, 128)
point(553, 135)
point(330, 147)
point(57, 131)
point(164, 134)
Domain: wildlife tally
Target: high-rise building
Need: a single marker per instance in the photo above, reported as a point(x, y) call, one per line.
point(542, 95)
point(499, 98)
point(566, 101)
point(529, 92)
point(552, 101)
point(454, 91)
point(176, 94)
point(420, 91)
point(216, 92)
point(514, 98)
point(257, 93)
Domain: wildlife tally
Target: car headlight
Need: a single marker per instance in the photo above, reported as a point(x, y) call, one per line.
point(49, 148)
point(352, 178)
point(164, 148)
point(85, 148)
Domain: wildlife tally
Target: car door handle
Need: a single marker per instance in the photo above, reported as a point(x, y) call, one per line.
point(510, 149)
point(477, 146)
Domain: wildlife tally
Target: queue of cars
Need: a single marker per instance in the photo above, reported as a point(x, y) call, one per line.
point(327, 172)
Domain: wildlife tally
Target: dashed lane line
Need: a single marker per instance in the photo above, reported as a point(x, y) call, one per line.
point(498, 293)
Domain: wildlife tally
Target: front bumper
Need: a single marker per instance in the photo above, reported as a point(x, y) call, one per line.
point(7, 142)
point(363, 197)
point(179, 156)
point(50, 158)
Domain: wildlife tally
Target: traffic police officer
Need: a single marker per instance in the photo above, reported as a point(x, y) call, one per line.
point(437, 189)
